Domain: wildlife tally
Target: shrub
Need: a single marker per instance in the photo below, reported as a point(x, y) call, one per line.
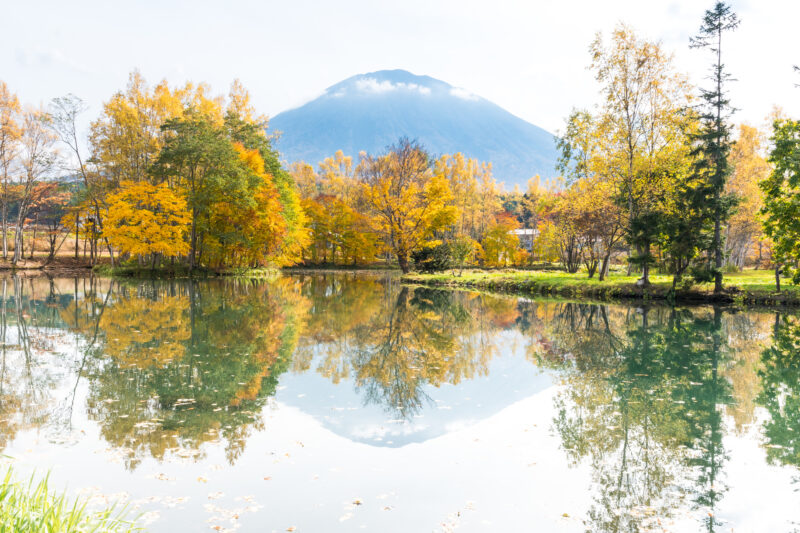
point(434, 258)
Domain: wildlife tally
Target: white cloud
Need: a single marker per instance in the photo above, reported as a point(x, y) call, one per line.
point(464, 94)
point(371, 85)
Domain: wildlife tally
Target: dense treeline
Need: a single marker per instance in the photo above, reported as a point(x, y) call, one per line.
point(407, 205)
point(651, 179)
point(172, 173)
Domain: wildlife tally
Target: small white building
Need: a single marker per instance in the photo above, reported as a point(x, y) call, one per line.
point(526, 237)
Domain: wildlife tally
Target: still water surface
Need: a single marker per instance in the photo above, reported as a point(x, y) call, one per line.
point(342, 402)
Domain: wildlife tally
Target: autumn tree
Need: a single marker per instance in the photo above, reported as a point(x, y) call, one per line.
point(337, 178)
point(38, 158)
point(252, 135)
point(64, 112)
point(51, 209)
point(305, 178)
point(407, 201)
point(147, 221)
point(128, 136)
point(476, 195)
point(500, 243)
point(598, 222)
point(462, 252)
point(560, 232)
point(713, 143)
point(644, 128)
point(9, 147)
point(248, 233)
point(339, 233)
point(750, 167)
point(47, 207)
point(594, 214)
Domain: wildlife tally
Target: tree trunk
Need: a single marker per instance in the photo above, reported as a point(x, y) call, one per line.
point(778, 278)
point(193, 240)
point(18, 236)
point(33, 239)
point(644, 281)
point(717, 246)
point(604, 267)
point(19, 244)
point(402, 259)
point(5, 230)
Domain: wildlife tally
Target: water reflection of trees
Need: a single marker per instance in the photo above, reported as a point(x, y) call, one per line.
point(780, 392)
point(395, 340)
point(168, 365)
point(190, 363)
point(30, 332)
point(645, 394)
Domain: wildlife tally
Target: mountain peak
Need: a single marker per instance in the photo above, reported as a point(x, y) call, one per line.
point(370, 111)
point(398, 81)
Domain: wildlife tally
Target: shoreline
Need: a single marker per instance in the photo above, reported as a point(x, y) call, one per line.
point(532, 283)
point(550, 284)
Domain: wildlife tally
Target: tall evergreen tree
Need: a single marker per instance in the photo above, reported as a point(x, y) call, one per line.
point(712, 143)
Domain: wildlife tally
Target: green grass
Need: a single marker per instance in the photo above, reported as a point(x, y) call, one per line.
point(747, 287)
point(33, 507)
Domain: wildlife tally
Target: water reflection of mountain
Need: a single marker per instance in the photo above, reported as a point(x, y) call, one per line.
point(340, 407)
point(388, 365)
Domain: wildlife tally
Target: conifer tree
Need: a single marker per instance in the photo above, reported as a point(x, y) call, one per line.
point(712, 143)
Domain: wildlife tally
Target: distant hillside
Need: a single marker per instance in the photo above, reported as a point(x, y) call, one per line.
point(371, 111)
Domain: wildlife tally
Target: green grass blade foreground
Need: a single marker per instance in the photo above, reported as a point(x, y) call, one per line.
point(33, 507)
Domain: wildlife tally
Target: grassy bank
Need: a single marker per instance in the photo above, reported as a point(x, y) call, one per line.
point(750, 287)
point(32, 507)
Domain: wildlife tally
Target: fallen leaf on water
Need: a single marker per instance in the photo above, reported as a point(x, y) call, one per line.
point(201, 479)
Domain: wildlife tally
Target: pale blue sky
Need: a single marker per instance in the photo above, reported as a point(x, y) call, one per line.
point(529, 57)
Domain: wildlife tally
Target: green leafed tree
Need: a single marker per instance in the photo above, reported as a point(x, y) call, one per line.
point(782, 198)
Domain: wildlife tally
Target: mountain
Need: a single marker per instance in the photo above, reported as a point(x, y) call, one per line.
point(345, 410)
point(371, 111)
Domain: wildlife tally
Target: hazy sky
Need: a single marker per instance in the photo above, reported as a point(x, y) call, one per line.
point(529, 57)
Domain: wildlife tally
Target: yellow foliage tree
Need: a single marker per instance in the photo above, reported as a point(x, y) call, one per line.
point(500, 245)
point(257, 230)
point(408, 201)
point(147, 220)
point(475, 193)
point(750, 167)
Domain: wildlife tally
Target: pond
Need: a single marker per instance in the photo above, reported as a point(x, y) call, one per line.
point(347, 402)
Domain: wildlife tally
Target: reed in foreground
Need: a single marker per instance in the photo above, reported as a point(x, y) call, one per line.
point(33, 507)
